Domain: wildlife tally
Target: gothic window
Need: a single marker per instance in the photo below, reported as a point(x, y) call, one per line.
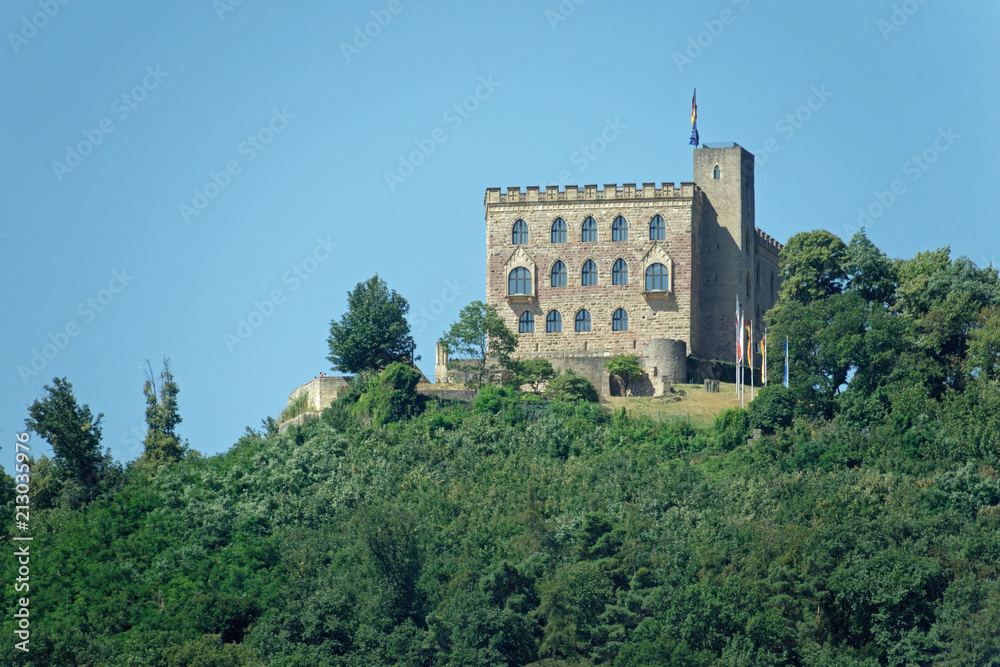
point(526, 323)
point(589, 231)
point(553, 323)
point(588, 276)
point(520, 233)
point(657, 229)
point(559, 231)
point(657, 278)
point(619, 321)
point(519, 281)
point(718, 174)
point(583, 321)
point(559, 275)
point(619, 229)
point(619, 274)
point(748, 282)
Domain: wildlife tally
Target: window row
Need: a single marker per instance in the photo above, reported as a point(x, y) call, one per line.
point(553, 321)
point(588, 232)
point(657, 277)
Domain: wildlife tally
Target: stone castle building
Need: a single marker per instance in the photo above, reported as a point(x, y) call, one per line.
point(586, 273)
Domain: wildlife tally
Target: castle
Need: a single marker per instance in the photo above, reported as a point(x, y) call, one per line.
point(585, 273)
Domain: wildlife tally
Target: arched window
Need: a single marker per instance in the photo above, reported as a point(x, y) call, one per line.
point(619, 321)
point(583, 321)
point(559, 275)
point(718, 174)
point(520, 234)
point(589, 234)
point(748, 282)
point(657, 278)
point(757, 278)
point(559, 231)
point(553, 323)
point(748, 240)
point(526, 323)
point(588, 277)
point(657, 228)
point(519, 281)
point(619, 273)
point(619, 229)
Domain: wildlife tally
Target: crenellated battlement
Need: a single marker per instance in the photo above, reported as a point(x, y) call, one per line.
point(768, 243)
point(610, 192)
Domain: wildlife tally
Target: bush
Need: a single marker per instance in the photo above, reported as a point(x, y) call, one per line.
point(392, 396)
point(298, 405)
point(571, 387)
point(772, 409)
point(732, 428)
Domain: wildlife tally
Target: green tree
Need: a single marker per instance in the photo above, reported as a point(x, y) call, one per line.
point(373, 333)
point(984, 346)
point(73, 432)
point(392, 396)
point(162, 444)
point(480, 335)
point(812, 266)
point(534, 372)
point(626, 368)
point(571, 387)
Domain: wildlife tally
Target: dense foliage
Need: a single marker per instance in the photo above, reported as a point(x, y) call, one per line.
point(482, 342)
point(396, 531)
point(373, 333)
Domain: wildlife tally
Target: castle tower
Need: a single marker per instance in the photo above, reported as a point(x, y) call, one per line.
point(737, 259)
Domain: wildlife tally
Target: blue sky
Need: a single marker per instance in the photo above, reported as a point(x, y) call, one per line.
point(170, 169)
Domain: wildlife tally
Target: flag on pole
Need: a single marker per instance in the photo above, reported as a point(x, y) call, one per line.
point(750, 344)
point(786, 361)
point(763, 359)
point(694, 120)
point(739, 334)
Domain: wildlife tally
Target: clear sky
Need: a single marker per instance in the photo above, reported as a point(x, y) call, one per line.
point(169, 168)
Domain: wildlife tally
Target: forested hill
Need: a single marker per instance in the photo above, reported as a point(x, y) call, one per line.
point(862, 529)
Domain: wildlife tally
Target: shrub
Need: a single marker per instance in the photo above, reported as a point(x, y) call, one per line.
point(772, 409)
point(732, 428)
point(298, 405)
point(571, 387)
point(391, 396)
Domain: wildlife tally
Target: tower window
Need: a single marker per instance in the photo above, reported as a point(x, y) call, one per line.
point(526, 323)
point(583, 321)
point(619, 321)
point(589, 234)
point(519, 281)
point(657, 228)
point(657, 278)
point(559, 275)
point(559, 231)
point(619, 273)
point(588, 277)
point(619, 229)
point(520, 234)
point(717, 174)
point(553, 323)
point(748, 283)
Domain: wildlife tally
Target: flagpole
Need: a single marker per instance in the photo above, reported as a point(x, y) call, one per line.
point(753, 395)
